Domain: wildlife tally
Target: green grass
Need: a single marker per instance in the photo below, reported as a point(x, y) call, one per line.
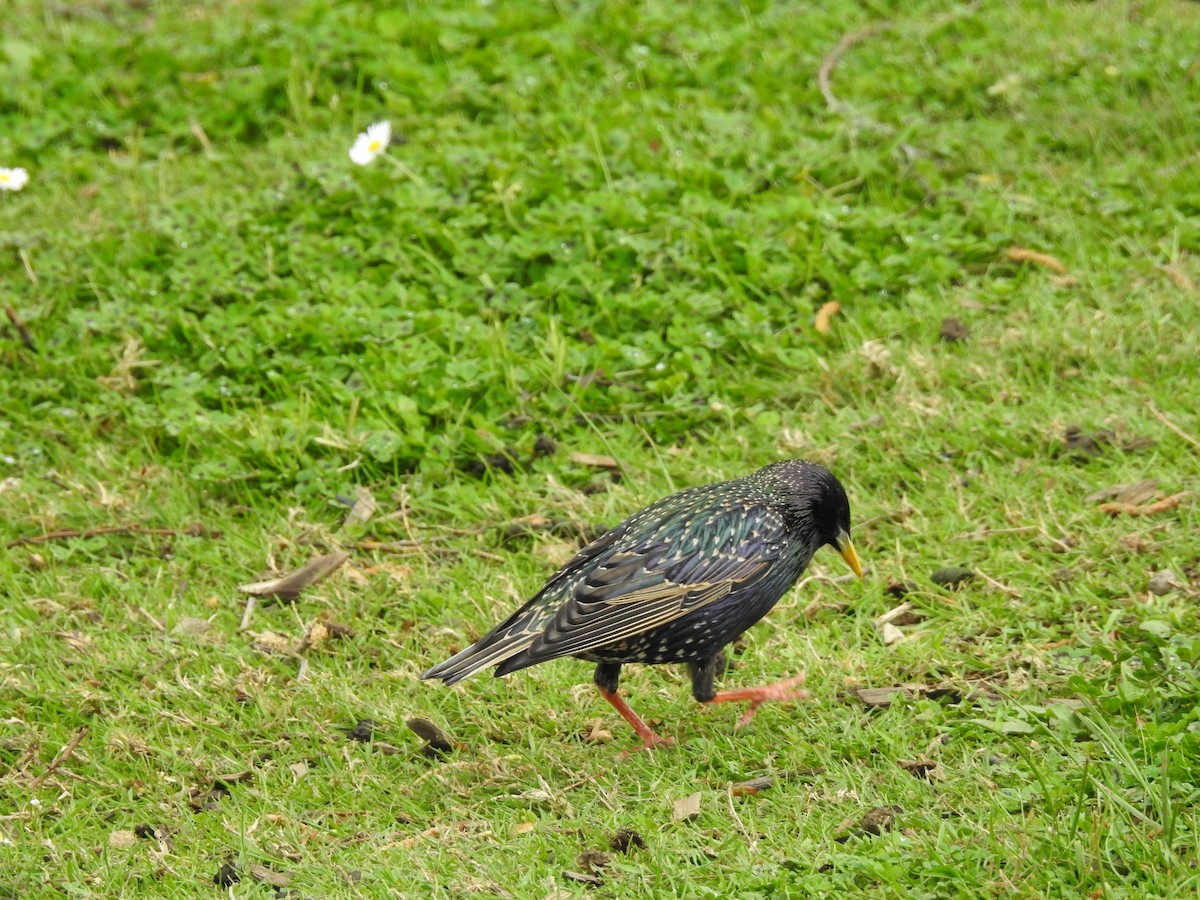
point(626, 217)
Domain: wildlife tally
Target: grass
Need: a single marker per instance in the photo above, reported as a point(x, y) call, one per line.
point(625, 218)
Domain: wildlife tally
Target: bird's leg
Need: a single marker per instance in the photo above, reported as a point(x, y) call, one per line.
point(606, 678)
point(702, 689)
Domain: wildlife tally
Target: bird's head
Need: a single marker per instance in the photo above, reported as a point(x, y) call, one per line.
point(813, 502)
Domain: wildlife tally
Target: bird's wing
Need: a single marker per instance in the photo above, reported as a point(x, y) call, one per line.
point(661, 576)
point(520, 629)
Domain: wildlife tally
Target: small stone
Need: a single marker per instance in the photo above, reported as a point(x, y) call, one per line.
point(954, 331)
point(1163, 582)
point(951, 576)
point(919, 768)
point(593, 861)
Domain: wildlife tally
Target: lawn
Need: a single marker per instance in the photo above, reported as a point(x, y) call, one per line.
point(597, 264)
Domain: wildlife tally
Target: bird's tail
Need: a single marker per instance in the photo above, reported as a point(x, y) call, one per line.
point(483, 653)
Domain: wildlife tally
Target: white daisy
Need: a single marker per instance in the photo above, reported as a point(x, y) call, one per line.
point(371, 143)
point(13, 179)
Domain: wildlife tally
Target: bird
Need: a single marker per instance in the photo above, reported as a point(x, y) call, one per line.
point(674, 583)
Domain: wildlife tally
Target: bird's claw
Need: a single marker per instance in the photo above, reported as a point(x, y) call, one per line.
point(788, 689)
point(653, 742)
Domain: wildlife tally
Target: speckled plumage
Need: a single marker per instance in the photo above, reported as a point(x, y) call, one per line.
point(675, 582)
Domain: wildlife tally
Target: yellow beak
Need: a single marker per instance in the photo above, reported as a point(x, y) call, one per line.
point(846, 547)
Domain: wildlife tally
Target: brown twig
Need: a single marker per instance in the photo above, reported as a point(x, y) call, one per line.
point(834, 56)
point(63, 756)
point(1154, 411)
point(193, 530)
point(1149, 509)
point(403, 548)
point(21, 329)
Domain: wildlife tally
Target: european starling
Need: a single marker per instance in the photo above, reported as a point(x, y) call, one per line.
point(675, 583)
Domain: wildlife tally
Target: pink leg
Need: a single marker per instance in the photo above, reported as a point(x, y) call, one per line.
point(780, 690)
point(650, 740)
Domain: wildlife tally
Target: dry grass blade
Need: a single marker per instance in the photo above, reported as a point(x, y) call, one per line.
point(291, 585)
point(596, 461)
point(829, 63)
point(1134, 493)
point(687, 808)
point(1025, 255)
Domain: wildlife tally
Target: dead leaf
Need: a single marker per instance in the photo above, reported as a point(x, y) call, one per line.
point(593, 860)
point(190, 626)
point(596, 733)
point(595, 461)
point(1135, 493)
point(904, 614)
point(881, 696)
point(890, 634)
point(924, 769)
point(289, 586)
point(316, 635)
point(752, 787)
point(76, 640)
point(1022, 255)
point(1082, 443)
point(583, 877)
point(268, 876)
point(825, 316)
point(885, 696)
point(364, 507)
point(874, 822)
point(271, 642)
point(437, 742)
point(686, 809)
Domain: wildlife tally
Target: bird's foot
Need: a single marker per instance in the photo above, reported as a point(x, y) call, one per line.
point(650, 741)
point(781, 690)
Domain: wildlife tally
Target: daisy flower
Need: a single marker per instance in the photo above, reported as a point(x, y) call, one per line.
point(13, 179)
point(371, 143)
